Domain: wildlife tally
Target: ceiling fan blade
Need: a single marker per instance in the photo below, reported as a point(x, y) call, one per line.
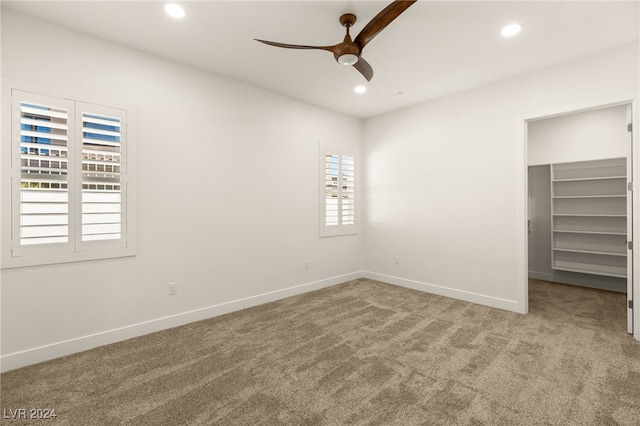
point(295, 46)
point(364, 68)
point(381, 20)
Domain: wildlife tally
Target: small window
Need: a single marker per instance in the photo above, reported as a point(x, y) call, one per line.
point(68, 182)
point(338, 193)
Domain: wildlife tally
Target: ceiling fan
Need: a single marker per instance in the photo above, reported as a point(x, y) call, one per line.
point(349, 51)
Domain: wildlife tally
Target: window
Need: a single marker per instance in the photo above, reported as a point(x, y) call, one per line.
point(338, 193)
point(68, 181)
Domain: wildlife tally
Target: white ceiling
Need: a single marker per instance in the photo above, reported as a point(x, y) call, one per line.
point(433, 49)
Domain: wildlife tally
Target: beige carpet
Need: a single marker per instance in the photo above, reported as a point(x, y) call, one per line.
point(362, 352)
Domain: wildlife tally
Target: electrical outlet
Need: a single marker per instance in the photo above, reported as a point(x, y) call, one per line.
point(306, 264)
point(173, 289)
point(397, 260)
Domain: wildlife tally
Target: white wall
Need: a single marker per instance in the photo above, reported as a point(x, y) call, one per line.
point(589, 135)
point(445, 188)
point(228, 198)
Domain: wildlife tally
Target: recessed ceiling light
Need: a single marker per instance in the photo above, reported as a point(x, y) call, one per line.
point(511, 30)
point(174, 10)
point(360, 89)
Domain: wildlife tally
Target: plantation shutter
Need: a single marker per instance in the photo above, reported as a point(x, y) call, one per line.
point(338, 193)
point(102, 208)
point(44, 171)
point(332, 189)
point(347, 190)
point(68, 181)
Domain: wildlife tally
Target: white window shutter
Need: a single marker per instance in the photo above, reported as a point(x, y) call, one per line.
point(43, 127)
point(332, 190)
point(347, 190)
point(102, 183)
point(68, 181)
point(338, 193)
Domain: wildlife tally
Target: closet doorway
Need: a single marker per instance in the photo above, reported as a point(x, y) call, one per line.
point(579, 200)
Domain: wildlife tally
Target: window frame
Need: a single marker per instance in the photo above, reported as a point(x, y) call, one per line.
point(340, 228)
point(16, 255)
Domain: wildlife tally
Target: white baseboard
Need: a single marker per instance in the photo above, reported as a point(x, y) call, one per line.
point(467, 296)
point(544, 276)
point(55, 350)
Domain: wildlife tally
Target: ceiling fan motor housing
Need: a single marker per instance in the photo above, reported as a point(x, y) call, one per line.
point(347, 20)
point(348, 46)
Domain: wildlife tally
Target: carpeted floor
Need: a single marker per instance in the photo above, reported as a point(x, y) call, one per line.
point(362, 352)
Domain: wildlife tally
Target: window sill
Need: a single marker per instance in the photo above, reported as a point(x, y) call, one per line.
point(10, 262)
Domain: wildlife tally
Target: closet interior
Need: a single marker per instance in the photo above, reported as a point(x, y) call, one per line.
point(579, 199)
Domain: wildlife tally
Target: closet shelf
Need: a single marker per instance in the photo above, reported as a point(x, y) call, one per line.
point(568, 231)
point(590, 178)
point(587, 215)
point(572, 197)
point(598, 252)
point(589, 269)
point(588, 212)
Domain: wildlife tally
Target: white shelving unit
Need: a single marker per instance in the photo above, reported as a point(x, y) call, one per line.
point(589, 217)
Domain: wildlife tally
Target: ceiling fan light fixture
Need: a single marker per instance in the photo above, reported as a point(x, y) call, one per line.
point(360, 89)
point(347, 59)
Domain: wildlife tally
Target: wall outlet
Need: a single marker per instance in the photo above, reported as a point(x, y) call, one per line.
point(173, 289)
point(397, 261)
point(306, 264)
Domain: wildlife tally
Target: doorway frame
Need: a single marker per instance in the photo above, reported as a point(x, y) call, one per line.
point(522, 185)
